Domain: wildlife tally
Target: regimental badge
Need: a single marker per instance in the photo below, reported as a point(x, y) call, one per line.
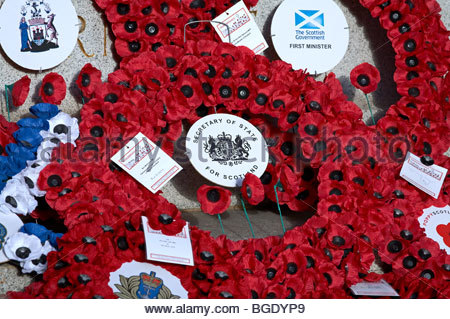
point(37, 27)
point(144, 286)
point(224, 149)
point(3, 233)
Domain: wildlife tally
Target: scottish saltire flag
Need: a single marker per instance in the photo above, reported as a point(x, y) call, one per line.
point(309, 19)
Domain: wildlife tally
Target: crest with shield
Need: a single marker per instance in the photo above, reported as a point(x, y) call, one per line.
point(37, 28)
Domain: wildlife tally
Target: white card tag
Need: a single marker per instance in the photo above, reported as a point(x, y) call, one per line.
point(381, 288)
point(436, 222)
point(427, 178)
point(147, 163)
point(242, 26)
point(175, 249)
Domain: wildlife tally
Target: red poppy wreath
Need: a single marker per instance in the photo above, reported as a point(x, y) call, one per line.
point(320, 150)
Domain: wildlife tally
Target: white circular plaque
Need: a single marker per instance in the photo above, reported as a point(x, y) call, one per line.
point(38, 34)
point(223, 148)
point(9, 225)
point(310, 35)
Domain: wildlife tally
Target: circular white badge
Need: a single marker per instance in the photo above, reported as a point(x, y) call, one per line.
point(9, 225)
point(310, 35)
point(38, 34)
point(135, 280)
point(223, 148)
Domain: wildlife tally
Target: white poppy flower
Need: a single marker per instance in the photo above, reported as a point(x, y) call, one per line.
point(49, 142)
point(39, 265)
point(29, 176)
point(16, 197)
point(23, 247)
point(64, 127)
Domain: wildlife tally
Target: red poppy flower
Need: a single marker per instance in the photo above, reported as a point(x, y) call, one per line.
point(53, 88)
point(53, 177)
point(171, 130)
point(168, 9)
point(89, 79)
point(409, 24)
point(120, 77)
point(20, 91)
point(331, 188)
point(213, 200)
point(425, 249)
point(199, 112)
point(261, 99)
point(365, 77)
point(192, 90)
point(119, 10)
point(6, 133)
point(150, 83)
point(280, 100)
point(393, 16)
point(94, 127)
point(70, 194)
point(166, 218)
point(289, 179)
point(125, 117)
point(174, 105)
point(291, 117)
point(224, 90)
point(252, 189)
point(339, 237)
point(228, 290)
point(404, 113)
point(126, 48)
point(317, 100)
point(202, 47)
point(154, 29)
point(417, 89)
point(304, 200)
point(269, 179)
point(93, 108)
point(110, 93)
point(169, 56)
point(408, 42)
point(128, 29)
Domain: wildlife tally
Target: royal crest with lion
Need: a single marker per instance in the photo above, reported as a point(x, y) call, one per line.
point(224, 149)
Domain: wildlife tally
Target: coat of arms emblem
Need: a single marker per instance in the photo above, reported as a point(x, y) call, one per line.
point(223, 148)
point(144, 286)
point(37, 30)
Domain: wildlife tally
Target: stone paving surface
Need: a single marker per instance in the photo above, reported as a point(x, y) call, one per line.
point(368, 43)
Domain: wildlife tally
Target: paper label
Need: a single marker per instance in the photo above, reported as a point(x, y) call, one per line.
point(381, 288)
point(136, 280)
point(147, 163)
point(9, 225)
point(242, 28)
point(436, 222)
point(175, 249)
point(427, 178)
point(38, 35)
